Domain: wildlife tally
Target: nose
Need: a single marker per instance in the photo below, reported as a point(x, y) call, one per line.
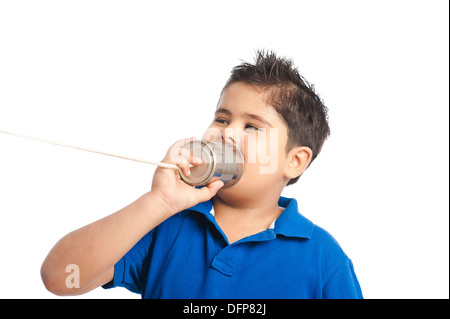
point(232, 135)
point(228, 139)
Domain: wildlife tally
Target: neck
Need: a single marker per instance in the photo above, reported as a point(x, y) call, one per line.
point(251, 212)
point(239, 221)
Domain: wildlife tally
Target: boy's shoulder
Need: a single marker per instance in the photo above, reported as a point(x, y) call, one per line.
point(315, 238)
point(292, 219)
point(326, 243)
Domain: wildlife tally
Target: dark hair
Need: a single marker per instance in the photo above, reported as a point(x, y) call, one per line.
point(292, 97)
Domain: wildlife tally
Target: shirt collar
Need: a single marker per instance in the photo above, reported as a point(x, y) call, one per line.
point(290, 223)
point(204, 208)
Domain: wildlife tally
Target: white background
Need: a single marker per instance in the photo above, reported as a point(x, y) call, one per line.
point(131, 77)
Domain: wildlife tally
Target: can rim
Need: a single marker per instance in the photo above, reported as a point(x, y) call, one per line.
point(238, 151)
point(211, 169)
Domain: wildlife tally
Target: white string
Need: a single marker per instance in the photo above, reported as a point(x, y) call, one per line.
point(89, 150)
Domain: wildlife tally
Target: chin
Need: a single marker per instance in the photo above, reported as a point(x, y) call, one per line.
point(235, 193)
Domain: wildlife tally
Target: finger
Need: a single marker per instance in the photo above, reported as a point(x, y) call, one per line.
point(215, 186)
point(183, 164)
point(173, 152)
point(207, 192)
point(212, 134)
point(188, 154)
point(209, 138)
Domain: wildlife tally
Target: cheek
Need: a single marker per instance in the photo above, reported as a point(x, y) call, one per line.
point(262, 148)
point(250, 149)
point(212, 133)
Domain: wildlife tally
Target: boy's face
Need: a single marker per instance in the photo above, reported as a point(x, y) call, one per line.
point(246, 120)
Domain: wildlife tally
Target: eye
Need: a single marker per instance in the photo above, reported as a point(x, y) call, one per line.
point(251, 127)
point(221, 120)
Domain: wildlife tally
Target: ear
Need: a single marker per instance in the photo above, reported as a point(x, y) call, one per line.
point(298, 160)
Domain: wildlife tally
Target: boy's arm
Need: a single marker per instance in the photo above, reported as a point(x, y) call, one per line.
point(95, 248)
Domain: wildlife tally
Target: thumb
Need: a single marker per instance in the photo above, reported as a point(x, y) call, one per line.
point(207, 192)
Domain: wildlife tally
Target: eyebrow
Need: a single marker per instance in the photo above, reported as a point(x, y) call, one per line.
point(222, 110)
point(249, 115)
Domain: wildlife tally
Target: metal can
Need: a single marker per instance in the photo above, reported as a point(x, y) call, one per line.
point(219, 161)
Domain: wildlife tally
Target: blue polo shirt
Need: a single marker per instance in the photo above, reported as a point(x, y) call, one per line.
point(188, 256)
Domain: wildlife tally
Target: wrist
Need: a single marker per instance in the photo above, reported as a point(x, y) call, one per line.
point(155, 204)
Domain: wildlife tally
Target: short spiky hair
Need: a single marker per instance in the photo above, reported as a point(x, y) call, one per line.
point(292, 97)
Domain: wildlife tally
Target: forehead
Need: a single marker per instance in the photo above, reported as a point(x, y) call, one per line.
point(241, 98)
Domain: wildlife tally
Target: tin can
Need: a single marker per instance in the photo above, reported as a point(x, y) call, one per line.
point(219, 161)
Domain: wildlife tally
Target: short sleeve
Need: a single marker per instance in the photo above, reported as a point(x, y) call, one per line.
point(130, 270)
point(343, 284)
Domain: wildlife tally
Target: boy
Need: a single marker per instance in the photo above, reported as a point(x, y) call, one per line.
point(245, 241)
